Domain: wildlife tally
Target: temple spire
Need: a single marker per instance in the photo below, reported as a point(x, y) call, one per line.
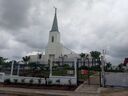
point(55, 23)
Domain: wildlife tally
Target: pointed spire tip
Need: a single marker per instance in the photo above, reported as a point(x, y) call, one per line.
point(55, 23)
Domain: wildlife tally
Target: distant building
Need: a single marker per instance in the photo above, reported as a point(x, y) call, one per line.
point(125, 61)
point(125, 67)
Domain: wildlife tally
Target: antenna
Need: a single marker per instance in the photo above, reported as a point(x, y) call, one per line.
point(53, 2)
point(55, 9)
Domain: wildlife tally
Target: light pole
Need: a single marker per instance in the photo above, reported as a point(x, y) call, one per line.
point(102, 69)
point(12, 66)
point(18, 69)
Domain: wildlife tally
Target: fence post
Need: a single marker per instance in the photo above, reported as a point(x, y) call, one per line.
point(51, 62)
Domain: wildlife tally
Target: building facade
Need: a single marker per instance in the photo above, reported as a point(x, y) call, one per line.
point(54, 48)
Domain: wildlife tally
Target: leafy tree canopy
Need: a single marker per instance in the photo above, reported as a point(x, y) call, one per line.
point(95, 54)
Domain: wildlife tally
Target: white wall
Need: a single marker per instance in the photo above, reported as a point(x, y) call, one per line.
point(116, 79)
point(64, 80)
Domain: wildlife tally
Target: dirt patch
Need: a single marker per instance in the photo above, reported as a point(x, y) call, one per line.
point(114, 92)
point(35, 86)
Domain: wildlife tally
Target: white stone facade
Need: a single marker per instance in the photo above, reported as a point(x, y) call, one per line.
point(54, 47)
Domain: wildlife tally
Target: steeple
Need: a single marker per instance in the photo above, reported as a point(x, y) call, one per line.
point(55, 24)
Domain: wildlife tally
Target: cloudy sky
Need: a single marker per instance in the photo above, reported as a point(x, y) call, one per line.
point(85, 25)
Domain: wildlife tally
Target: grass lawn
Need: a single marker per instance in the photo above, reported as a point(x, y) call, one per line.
point(83, 76)
point(61, 72)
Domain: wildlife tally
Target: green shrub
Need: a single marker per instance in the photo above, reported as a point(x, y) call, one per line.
point(83, 67)
point(23, 81)
point(65, 66)
point(39, 81)
point(49, 82)
point(58, 81)
point(31, 81)
point(7, 81)
point(15, 81)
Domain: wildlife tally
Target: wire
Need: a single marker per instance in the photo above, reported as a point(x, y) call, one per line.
point(53, 3)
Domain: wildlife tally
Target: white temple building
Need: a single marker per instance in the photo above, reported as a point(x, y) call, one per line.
point(54, 48)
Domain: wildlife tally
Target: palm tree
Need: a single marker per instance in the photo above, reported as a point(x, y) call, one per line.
point(39, 56)
point(26, 59)
point(87, 58)
point(95, 56)
point(82, 56)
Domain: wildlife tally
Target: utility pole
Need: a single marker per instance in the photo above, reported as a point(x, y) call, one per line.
point(18, 69)
point(102, 69)
point(12, 66)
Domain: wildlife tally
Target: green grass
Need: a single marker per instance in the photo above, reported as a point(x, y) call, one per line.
point(60, 73)
point(84, 77)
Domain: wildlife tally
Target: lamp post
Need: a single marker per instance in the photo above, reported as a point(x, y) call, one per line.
point(12, 66)
point(102, 69)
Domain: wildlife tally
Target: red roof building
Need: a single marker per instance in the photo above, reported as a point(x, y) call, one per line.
point(126, 61)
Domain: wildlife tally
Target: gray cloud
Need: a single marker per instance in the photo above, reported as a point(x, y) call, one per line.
point(84, 26)
point(14, 13)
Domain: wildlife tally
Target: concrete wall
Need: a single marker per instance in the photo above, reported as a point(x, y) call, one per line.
point(63, 80)
point(116, 79)
point(26, 79)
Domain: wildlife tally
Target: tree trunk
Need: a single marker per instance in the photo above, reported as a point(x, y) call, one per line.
point(92, 61)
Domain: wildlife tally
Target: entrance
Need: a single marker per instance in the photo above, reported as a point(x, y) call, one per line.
point(88, 72)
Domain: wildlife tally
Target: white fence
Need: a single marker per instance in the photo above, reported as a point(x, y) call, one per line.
point(60, 80)
point(64, 80)
point(35, 80)
point(116, 79)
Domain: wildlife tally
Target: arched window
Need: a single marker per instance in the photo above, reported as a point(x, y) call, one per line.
point(52, 38)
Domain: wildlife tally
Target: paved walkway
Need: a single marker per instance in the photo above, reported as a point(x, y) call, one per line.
point(82, 90)
point(41, 92)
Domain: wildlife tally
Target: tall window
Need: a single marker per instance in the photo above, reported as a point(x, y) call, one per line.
point(52, 39)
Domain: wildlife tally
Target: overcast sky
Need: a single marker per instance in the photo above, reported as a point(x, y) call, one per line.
point(85, 25)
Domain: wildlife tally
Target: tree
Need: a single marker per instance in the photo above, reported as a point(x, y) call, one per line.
point(2, 60)
point(95, 56)
point(87, 58)
point(82, 56)
point(39, 56)
point(108, 65)
point(120, 66)
point(26, 59)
